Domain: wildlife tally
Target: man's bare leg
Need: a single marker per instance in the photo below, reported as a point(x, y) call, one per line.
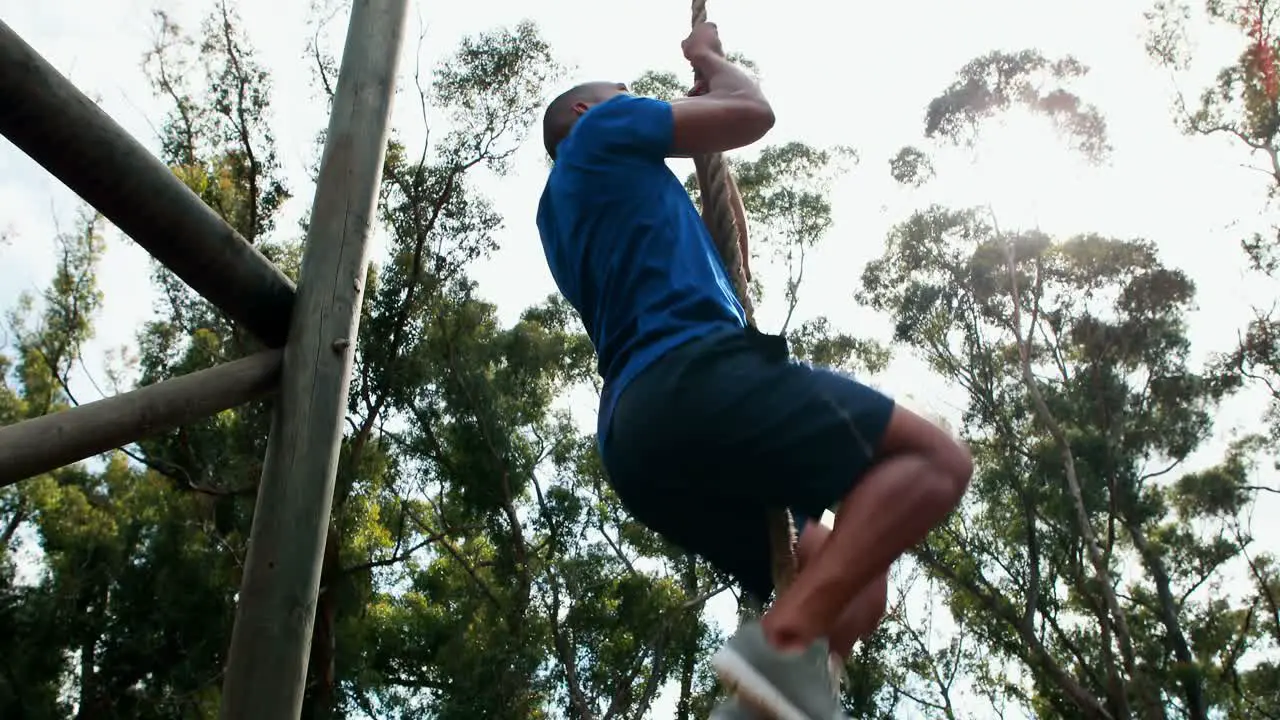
point(921, 478)
point(863, 614)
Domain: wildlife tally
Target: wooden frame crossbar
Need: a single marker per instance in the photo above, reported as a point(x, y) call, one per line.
point(316, 325)
point(43, 114)
point(52, 441)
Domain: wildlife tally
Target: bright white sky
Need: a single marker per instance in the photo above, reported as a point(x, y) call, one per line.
point(852, 74)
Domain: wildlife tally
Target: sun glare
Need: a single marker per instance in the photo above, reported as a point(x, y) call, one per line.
point(1025, 169)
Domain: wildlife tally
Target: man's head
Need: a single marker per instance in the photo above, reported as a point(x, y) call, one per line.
point(565, 110)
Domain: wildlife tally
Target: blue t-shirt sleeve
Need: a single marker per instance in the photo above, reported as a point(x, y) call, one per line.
point(627, 126)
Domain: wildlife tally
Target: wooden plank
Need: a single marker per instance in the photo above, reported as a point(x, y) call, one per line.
point(267, 664)
point(45, 116)
point(49, 442)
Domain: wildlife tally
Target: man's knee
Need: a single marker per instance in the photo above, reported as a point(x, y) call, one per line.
point(956, 462)
point(948, 457)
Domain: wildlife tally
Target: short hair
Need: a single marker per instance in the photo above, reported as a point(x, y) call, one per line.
point(559, 118)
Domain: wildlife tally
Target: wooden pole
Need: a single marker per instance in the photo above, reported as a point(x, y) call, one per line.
point(49, 442)
point(267, 666)
point(43, 114)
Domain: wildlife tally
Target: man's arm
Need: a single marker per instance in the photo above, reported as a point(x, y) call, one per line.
point(732, 113)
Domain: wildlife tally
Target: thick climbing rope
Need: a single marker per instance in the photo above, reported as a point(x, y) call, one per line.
point(719, 216)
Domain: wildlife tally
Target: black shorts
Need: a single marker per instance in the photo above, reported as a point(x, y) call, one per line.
point(718, 432)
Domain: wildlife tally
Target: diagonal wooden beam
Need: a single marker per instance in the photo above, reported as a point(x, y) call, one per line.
point(45, 116)
point(49, 442)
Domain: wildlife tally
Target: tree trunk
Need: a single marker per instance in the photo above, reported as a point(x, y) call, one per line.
point(321, 670)
point(11, 527)
point(1189, 676)
point(689, 653)
point(1102, 576)
point(91, 701)
point(88, 682)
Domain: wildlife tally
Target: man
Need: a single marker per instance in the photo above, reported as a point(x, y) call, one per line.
point(705, 425)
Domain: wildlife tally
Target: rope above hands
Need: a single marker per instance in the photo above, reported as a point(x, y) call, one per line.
point(718, 210)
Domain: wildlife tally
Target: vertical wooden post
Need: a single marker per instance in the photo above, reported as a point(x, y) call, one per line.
point(267, 667)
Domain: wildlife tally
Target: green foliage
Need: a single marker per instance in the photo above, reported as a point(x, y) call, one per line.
point(999, 81)
point(994, 84)
point(492, 88)
point(463, 491)
point(1240, 106)
point(1101, 324)
point(661, 85)
point(217, 136)
point(911, 166)
point(1239, 103)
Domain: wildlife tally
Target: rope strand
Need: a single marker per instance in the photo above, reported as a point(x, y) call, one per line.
point(723, 226)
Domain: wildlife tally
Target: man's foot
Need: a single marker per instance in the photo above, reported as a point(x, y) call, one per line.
point(735, 709)
point(791, 686)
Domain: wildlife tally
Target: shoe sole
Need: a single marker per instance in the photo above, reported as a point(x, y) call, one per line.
point(741, 677)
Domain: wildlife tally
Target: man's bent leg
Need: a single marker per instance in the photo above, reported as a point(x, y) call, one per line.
point(742, 431)
point(920, 479)
point(808, 435)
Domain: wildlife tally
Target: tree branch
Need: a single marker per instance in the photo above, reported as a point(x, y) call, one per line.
point(1102, 576)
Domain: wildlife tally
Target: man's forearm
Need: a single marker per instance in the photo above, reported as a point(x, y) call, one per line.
point(724, 78)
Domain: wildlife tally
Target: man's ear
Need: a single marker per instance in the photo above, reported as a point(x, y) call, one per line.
point(580, 107)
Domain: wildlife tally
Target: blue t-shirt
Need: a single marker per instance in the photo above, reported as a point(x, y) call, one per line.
point(626, 245)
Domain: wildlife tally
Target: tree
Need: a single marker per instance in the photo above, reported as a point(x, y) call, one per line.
point(1073, 355)
point(1073, 564)
point(45, 355)
point(1241, 105)
point(997, 83)
point(185, 517)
